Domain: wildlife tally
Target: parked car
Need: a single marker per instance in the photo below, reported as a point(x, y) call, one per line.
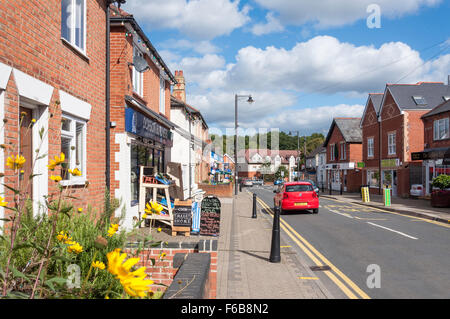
point(316, 189)
point(278, 182)
point(247, 182)
point(416, 190)
point(258, 182)
point(296, 196)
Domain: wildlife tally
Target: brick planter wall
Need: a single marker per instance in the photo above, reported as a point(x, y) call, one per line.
point(222, 190)
point(164, 270)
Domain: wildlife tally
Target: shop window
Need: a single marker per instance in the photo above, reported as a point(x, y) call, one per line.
point(141, 155)
point(441, 129)
point(73, 23)
point(373, 178)
point(73, 145)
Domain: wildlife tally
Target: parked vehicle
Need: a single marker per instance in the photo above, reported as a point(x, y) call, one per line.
point(416, 190)
point(278, 182)
point(296, 196)
point(258, 182)
point(247, 182)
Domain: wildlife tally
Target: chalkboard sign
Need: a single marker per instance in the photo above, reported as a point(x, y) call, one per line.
point(182, 214)
point(210, 216)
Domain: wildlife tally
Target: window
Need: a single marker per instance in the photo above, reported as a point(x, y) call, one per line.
point(420, 100)
point(162, 95)
point(140, 156)
point(73, 23)
point(73, 145)
point(373, 178)
point(370, 147)
point(332, 152)
point(343, 152)
point(391, 144)
point(441, 129)
point(298, 188)
point(138, 77)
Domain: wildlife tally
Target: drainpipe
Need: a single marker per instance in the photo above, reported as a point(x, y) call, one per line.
point(107, 92)
point(379, 157)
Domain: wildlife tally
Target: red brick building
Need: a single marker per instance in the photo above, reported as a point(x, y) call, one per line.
point(402, 131)
point(436, 153)
point(344, 152)
point(52, 78)
point(370, 126)
point(140, 110)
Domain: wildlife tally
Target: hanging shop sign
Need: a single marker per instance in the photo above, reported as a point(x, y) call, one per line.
point(137, 123)
point(393, 162)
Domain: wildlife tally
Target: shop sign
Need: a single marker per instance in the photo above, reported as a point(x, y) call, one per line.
point(393, 162)
point(360, 165)
point(137, 123)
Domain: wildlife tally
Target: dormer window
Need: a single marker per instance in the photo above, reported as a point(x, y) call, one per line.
point(420, 100)
point(446, 98)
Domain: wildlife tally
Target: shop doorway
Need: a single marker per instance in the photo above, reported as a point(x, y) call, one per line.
point(389, 178)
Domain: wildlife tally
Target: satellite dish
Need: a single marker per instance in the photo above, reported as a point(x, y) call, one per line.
point(140, 64)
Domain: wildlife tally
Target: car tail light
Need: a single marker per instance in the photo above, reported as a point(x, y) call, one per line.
point(314, 195)
point(285, 195)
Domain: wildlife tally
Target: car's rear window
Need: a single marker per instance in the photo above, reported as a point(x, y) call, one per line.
point(298, 188)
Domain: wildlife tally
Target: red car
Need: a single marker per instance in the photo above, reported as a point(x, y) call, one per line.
point(296, 196)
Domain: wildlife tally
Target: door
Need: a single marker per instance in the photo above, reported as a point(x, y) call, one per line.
point(394, 183)
point(26, 150)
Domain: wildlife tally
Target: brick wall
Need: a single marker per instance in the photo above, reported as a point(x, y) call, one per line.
point(221, 190)
point(31, 43)
point(163, 271)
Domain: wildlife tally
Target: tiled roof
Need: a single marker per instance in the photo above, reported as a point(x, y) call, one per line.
point(349, 127)
point(441, 108)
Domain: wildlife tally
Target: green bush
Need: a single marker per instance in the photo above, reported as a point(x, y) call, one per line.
point(442, 181)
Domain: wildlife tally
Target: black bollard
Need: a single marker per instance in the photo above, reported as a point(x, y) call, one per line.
point(240, 187)
point(254, 206)
point(275, 255)
point(330, 188)
point(323, 188)
point(340, 191)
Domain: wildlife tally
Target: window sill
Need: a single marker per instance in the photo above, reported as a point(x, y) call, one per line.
point(76, 49)
point(139, 98)
point(75, 182)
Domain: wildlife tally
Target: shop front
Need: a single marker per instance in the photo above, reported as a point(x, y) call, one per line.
point(436, 162)
point(146, 141)
point(338, 174)
point(389, 176)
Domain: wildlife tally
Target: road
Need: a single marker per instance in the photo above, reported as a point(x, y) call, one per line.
point(411, 254)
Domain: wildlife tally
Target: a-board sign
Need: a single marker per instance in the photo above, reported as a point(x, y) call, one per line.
point(182, 213)
point(210, 216)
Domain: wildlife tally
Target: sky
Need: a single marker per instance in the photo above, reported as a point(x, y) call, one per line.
point(304, 62)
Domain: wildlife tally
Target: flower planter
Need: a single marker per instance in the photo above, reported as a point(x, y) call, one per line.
point(440, 198)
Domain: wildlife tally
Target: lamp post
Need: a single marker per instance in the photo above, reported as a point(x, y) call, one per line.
point(298, 152)
point(249, 100)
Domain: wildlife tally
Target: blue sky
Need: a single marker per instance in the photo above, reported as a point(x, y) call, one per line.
point(303, 61)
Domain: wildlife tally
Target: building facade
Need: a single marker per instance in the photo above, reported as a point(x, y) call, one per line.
point(344, 151)
point(52, 97)
point(254, 163)
point(140, 110)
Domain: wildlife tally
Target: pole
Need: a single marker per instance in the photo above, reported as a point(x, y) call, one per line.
point(298, 156)
point(235, 144)
point(254, 206)
point(107, 98)
point(189, 167)
point(304, 177)
point(275, 256)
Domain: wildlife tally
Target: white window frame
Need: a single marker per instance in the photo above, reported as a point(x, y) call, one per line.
point(162, 95)
point(392, 149)
point(75, 180)
point(138, 77)
point(369, 179)
point(332, 152)
point(343, 151)
point(437, 126)
point(73, 28)
point(370, 147)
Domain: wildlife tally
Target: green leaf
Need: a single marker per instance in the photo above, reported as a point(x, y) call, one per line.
point(55, 280)
point(17, 295)
point(153, 260)
point(33, 176)
point(16, 273)
point(62, 258)
point(29, 245)
point(12, 189)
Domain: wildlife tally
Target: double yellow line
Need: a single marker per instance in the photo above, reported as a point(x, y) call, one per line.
point(350, 289)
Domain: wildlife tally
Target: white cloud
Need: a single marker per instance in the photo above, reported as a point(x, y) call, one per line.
point(329, 13)
point(273, 25)
point(198, 19)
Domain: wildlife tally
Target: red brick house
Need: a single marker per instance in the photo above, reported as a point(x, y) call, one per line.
point(370, 126)
point(52, 74)
point(402, 131)
point(436, 153)
point(344, 151)
point(140, 110)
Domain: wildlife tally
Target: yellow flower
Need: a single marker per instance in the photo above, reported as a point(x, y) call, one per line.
point(75, 172)
point(74, 247)
point(15, 161)
point(162, 255)
point(56, 178)
point(2, 202)
point(33, 120)
point(113, 229)
point(144, 216)
point(58, 160)
point(133, 282)
point(80, 210)
point(99, 265)
point(159, 229)
point(62, 236)
point(153, 208)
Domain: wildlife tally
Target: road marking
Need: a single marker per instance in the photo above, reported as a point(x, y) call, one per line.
point(394, 213)
point(309, 278)
point(285, 246)
point(392, 230)
point(343, 214)
point(323, 261)
point(362, 218)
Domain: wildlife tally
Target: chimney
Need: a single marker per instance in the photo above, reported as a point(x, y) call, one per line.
point(179, 89)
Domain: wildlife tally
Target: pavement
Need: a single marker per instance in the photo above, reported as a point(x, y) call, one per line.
point(244, 269)
point(407, 206)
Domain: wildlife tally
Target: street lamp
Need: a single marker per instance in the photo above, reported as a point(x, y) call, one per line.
point(249, 100)
point(298, 152)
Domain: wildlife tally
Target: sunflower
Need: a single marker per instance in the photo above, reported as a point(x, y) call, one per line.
point(58, 160)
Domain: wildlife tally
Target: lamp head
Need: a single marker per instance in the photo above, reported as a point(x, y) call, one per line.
point(250, 100)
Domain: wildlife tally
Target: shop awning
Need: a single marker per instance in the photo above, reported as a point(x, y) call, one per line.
point(144, 109)
point(434, 154)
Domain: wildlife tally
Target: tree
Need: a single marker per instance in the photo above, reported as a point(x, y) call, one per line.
point(279, 175)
